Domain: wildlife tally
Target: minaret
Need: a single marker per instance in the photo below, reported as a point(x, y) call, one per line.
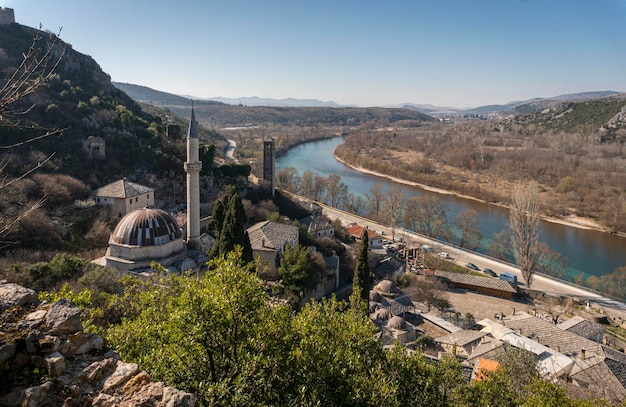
point(193, 165)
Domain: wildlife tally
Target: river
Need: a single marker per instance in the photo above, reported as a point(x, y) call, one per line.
point(589, 252)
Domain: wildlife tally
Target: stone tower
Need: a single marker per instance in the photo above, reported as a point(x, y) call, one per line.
point(193, 165)
point(269, 166)
point(7, 16)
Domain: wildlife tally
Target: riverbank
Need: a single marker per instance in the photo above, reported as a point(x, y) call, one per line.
point(570, 220)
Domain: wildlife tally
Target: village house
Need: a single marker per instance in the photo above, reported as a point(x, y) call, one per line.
point(269, 239)
point(124, 196)
point(375, 240)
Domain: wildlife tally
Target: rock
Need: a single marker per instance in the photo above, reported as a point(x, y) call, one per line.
point(7, 352)
point(97, 370)
point(49, 344)
point(12, 295)
point(94, 342)
point(32, 341)
point(32, 396)
point(177, 398)
point(19, 361)
point(63, 318)
point(148, 395)
point(134, 384)
point(55, 363)
point(123, 372)
point(33, 320)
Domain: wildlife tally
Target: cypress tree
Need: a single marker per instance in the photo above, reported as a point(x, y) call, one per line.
point(217, 219)
point(362, 269)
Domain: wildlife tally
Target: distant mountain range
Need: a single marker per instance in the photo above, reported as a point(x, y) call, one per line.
point(151, 96)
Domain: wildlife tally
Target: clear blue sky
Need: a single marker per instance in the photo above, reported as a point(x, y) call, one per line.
point(443, 52)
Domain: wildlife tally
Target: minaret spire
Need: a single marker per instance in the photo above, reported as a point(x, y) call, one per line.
point(193, 165)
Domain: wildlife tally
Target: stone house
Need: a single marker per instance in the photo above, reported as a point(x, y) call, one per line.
point(269, 239)
point(124, 196)
point(318, 227)
point(375, 240)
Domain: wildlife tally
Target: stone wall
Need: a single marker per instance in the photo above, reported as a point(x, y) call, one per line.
point(47, 360)
point(7, 16)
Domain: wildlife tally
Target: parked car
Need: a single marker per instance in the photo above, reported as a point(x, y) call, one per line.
point(380, 232)
point(511, 278)
point(472, 266)
point(490, 272)
point(398, 239)
point(444, 255)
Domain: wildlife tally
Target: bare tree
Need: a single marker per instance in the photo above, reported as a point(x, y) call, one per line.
point(392, 208)
point(427, 215)
point(374, 202)
point(524, 226)
point(336, 191)
point(467, 223)
point(499, 244)
point(37, 66)
point(551, 262)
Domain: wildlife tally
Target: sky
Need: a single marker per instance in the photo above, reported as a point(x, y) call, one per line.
point(456, 53)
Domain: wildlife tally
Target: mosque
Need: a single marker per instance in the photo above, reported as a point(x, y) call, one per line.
point(148, 234)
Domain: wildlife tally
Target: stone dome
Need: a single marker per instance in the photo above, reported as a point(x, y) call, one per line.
point(396, 323)
point(375, 296)
point(186, 264)
point(146, 227)
point(386, 287)
point(383, 314)
point(373, 307)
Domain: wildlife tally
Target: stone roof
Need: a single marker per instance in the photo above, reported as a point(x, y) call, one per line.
point(477, 281)
point(146, 227)
point(271, 236)
point(122, 189)
point(461, 338)
point(388, 266)
point(583, 327)
point(386, 287)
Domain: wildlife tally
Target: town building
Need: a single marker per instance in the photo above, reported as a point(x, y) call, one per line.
point(124, 196)
point(269, 239)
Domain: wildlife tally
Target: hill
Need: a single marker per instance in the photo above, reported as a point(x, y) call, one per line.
point(537, 104)
point(604, 118)
point(220, 115)
point(105, 136)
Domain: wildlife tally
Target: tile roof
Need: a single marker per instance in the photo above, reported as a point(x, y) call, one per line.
point(122, 189)
point(477, 281)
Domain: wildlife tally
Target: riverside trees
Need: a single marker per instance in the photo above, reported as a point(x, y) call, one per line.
point(524, 226)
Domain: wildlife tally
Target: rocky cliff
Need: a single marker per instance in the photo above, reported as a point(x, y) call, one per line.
point(47, 360)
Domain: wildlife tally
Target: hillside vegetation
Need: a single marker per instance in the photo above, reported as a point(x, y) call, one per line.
point(575, 152)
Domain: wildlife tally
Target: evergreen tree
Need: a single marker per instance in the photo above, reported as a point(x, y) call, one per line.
point(217, 219)
point(361, 279)
point(247, 255)
point(233, 233)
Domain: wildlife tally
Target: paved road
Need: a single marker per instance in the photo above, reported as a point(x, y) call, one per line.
point(462, 257)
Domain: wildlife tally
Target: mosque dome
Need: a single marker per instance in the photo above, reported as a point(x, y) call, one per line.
point(186, 264)
point(383, 314)
point(396, 323)
point(146, 227)
point(375, 296)
point(386, 287)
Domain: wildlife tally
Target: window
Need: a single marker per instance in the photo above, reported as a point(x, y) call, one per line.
point(148, 196)
point(136, 199)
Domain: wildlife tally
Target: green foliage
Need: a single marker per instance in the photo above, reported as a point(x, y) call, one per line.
point(232, 232)
point(62, 267)
point(296, 269)
point(235, 170)
point(361, 280)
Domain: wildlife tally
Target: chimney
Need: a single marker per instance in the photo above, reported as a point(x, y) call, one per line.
point(581, 355)
point(513, 310)
point(519, 331)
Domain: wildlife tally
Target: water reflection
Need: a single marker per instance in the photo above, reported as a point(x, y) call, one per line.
point(589, 252)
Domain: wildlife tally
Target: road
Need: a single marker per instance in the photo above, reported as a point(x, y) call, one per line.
point(462, 257)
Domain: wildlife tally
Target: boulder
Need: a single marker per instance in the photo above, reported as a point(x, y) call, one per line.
point(55, 363)
point(123, 372)
point(12, 295)
point(63, 318)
